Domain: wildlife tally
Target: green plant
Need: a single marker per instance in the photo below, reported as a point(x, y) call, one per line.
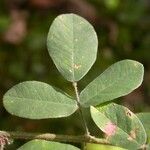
point(72, 44)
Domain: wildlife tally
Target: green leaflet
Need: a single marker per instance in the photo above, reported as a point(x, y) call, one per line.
point(118, 80)
point(38, 100)
point(121, 127)
point(46, 145)
point(72, 44)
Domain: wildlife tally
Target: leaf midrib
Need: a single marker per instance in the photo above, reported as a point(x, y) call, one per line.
point(73, 74)
point(39, 100)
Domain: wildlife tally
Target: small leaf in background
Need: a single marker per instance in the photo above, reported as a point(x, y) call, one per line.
point(90, 146)
point(118, 80)
point(145, 119)
point(38, 100)
point(121, 127)
point(72, 44)
point(111, 4)
point(46, 145)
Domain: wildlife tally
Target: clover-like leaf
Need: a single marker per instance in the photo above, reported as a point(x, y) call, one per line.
point(72, 44)
point(38, 100)
point(46, 145)
point(121, 126)
point(118, 80)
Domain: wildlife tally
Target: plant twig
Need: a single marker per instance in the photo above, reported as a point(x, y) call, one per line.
point(80, 108)
point(53, 137)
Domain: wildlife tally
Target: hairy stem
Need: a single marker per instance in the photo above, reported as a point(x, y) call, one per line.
point(80, 108)
point(52, 137)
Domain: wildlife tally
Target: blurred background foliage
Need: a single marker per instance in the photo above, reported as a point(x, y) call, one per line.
point(123, 29)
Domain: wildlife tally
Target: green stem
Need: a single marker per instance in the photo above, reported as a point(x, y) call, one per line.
point(52, 137)
point(80, 108)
